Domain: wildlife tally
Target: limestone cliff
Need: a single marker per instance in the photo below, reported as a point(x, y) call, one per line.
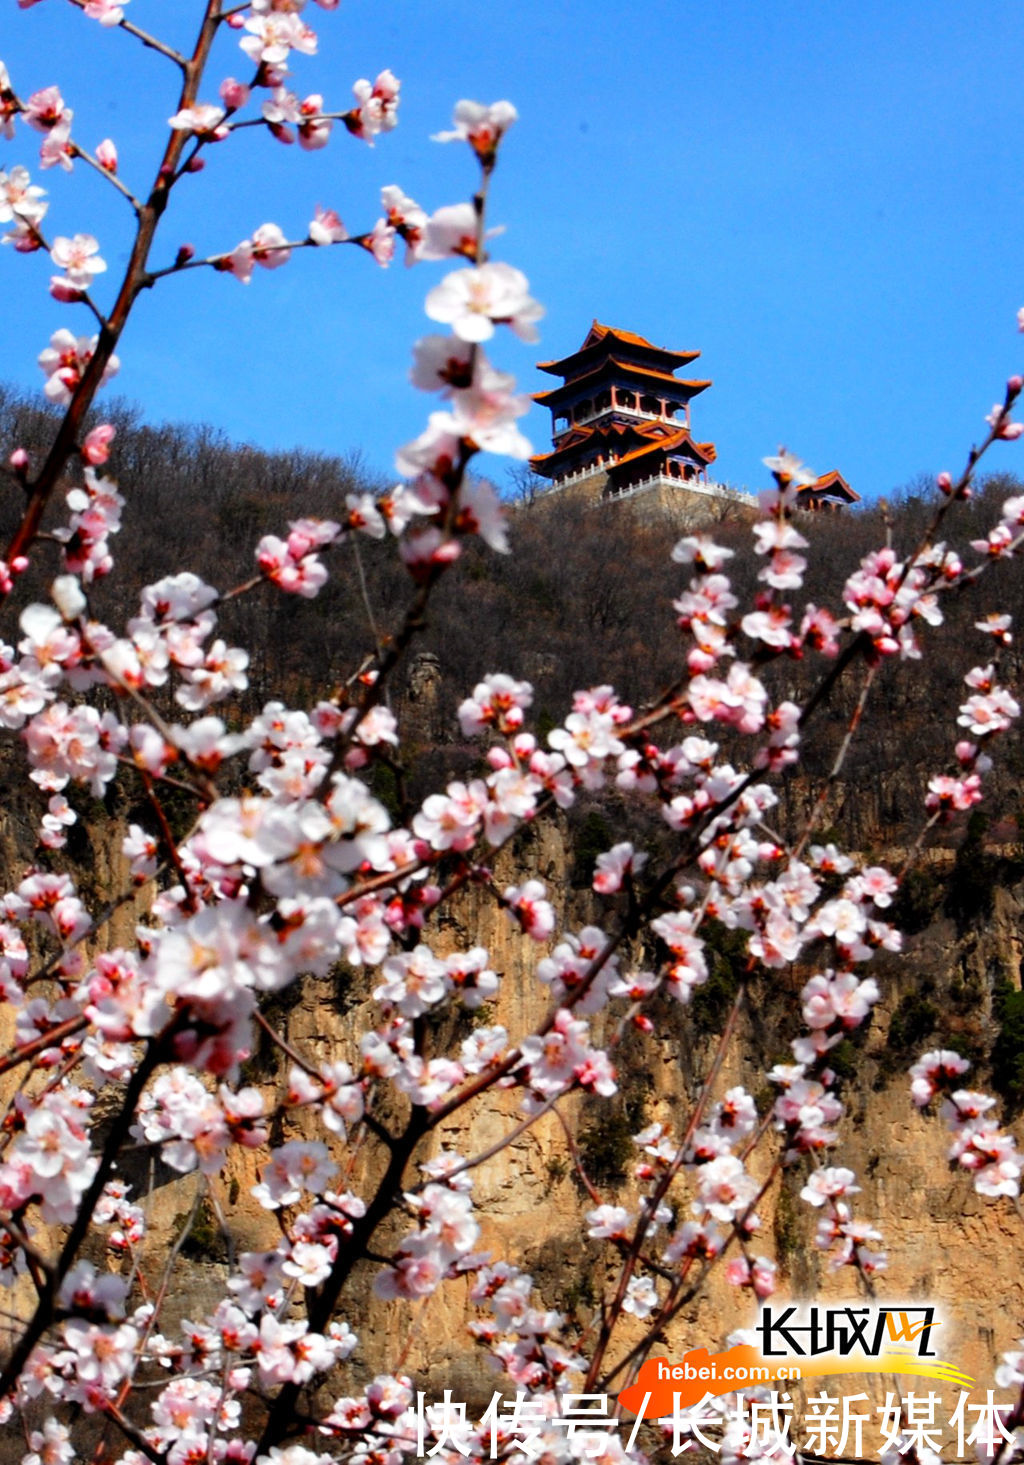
point(945, 1244)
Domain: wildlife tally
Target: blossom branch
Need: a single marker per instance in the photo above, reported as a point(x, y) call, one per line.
point(41, 489)
point(152, 43)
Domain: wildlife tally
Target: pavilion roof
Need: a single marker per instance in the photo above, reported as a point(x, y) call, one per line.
point(609, 433)
point(607, 337)
point(686, 389)
point(677, 443)
point(830, 485)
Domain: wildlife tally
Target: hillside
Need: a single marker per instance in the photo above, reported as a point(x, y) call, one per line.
point(586, 597)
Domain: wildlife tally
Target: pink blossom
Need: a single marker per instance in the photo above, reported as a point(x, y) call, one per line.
point(20, 199)
point(533, 911)
point(56, 149)
point(442, 363)
point(481, 126)
point(268, 247)
point(380, 242)
point(426, 552)
point(473, 301)
point(79, 257)
point(992, 710)
point(935, 1070)
point(107, 12)
point(294, 1167)
point(641, 1297)
point(609, 1222)
point(376, 107)
point(480, 511)
point(999, 420)
point(45, 109)
point(701, 551)
point(302, 574)
point(498, 701)
point(96, 445)
point(281, 107)
point(203, 118)
point(485, 413)
point(273, 37)
point(327, 227)
point(997, 626)
point(450, 231)
point(51, 1445)
point(947, 794)
point(59, 816)
point(725, 1189)
point(827, 1184)
point(65, 359)
point(587, 736)
point(405, 217)
point(314, 129)
point(788, 470)
point(613, 867)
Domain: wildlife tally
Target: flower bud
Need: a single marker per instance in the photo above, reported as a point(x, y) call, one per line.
point(96, 448)
point(233, 94)
point(62, 289)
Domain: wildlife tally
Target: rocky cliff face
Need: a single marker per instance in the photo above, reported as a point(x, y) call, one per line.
point(945, 1244)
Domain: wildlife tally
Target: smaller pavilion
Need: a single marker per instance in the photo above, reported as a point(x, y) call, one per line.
point(827, 494)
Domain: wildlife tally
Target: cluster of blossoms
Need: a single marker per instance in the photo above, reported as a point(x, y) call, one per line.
point(290, 864)
point(442, 1245)
point(23, 205)
point(979, 1145)
point(64, 361)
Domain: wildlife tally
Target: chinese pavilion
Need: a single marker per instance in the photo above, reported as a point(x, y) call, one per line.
point(621, 424)
point(829, 493)
point(621, 417)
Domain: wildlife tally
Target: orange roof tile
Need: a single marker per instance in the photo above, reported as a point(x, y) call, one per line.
point(833, 480)
point(670, 444)
point(647, 371)
point(607, 432)
point(599, 333)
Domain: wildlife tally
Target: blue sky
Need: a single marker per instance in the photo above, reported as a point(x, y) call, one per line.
point(824, 200)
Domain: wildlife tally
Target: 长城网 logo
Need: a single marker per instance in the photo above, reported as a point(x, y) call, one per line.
point(808, 1332)
point(799, 1341)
